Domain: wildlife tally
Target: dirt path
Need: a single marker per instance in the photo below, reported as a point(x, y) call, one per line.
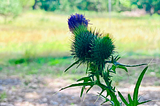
point(45, 92)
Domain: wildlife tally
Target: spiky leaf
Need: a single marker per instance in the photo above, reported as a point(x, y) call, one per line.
point(122, 98)
point(135, 94)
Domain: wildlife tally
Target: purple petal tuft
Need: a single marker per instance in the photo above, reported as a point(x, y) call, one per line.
point(76, 20)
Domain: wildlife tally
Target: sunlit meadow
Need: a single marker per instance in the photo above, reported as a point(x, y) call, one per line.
point(46, 34)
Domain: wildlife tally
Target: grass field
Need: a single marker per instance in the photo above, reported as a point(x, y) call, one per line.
point(38, 42)
point(46, 34)
point(34, 34)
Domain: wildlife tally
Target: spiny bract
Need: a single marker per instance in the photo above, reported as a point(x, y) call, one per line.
point(82, 44)
point(102, 49)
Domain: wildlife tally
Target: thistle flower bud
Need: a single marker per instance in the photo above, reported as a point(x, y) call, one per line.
point(81, 45)
point(75, 20)
point(88, 46)
point(102, 49)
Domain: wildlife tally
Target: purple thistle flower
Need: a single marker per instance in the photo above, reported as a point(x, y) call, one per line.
point(75, 20)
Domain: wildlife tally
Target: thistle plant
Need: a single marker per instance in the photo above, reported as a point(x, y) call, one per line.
point(97, 51)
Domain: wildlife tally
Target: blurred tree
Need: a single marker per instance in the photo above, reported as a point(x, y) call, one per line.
point(93, 5)
point(69, 5)
point(125, 3)
point(27, 3)
point(65, 5)
point(121, 5)
point(35, 5)
point(151, 6)
point(10, 8)
point(49, 5)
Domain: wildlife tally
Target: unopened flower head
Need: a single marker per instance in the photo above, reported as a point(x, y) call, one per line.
point(102, 49)
point(75, 20)
point(88, 46)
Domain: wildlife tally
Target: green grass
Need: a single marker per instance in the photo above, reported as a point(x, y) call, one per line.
point(38, 43)
point(54, 67)
point(38, 33)
point(3, 96)
point(35, 34)
point(41, 66)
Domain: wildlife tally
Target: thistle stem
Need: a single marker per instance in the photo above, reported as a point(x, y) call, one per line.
point(108, 88)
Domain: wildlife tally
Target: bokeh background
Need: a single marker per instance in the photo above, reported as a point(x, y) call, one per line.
point(35, 49)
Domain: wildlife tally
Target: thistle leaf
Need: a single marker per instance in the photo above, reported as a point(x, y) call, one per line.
point(78, 84)
point(144, 102)
point(135, 94)
point(122, 67)
point(89, 89)
point(130, 99)
point(72, 65)
point(122, 98)
point(85, 79)
point(82, 91)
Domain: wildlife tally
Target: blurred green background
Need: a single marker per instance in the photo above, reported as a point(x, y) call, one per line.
point(35, 39)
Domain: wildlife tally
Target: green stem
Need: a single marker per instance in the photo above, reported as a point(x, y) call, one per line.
point(108, 90)
point(112, 95)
